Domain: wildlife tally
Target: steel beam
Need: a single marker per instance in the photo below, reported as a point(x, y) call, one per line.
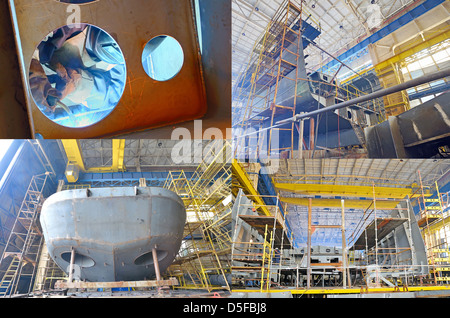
point(73, 152)
point(388, 29)
point(241, 175)
point(421, 46)
point(345, 190)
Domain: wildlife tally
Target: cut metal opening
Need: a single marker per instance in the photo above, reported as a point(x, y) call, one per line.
point(147, 258)
point(77, 75)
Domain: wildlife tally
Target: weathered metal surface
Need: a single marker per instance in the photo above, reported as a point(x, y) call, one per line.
point(146, 103)
point(259, 223)
point(384, 140)
point(113, 231)
point(417, 133)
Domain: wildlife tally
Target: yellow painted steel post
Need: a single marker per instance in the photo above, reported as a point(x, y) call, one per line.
point(308, 269)
point(73, 152)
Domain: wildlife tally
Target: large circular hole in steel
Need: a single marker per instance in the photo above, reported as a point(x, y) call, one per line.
point(77, 75)
point(147, 258)
point(163, 58)
point(80, 259)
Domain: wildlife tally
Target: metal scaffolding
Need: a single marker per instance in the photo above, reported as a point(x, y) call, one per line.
point(433, 220)
point(24, 244)
point(48, 272)
point(259, 239)
point(203, 260)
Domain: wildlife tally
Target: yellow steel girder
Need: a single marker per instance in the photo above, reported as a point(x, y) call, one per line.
point(348, 203)
point(345, 190)
point(75, 157)
point(73, 152)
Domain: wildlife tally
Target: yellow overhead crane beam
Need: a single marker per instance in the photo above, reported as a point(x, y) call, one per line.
point(345, 190)
point(416, 49)
point(242, 177)
point(73, 152)
point(348, 203)
point(75, 161)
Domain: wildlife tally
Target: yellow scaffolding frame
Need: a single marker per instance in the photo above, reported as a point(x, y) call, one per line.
point(432, 220)
point(205, 251)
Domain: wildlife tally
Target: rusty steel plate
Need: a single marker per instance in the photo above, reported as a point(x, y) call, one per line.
point(145, 103)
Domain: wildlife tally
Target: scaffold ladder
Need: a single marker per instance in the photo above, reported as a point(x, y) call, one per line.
point(25, 239)
point(10, 276)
